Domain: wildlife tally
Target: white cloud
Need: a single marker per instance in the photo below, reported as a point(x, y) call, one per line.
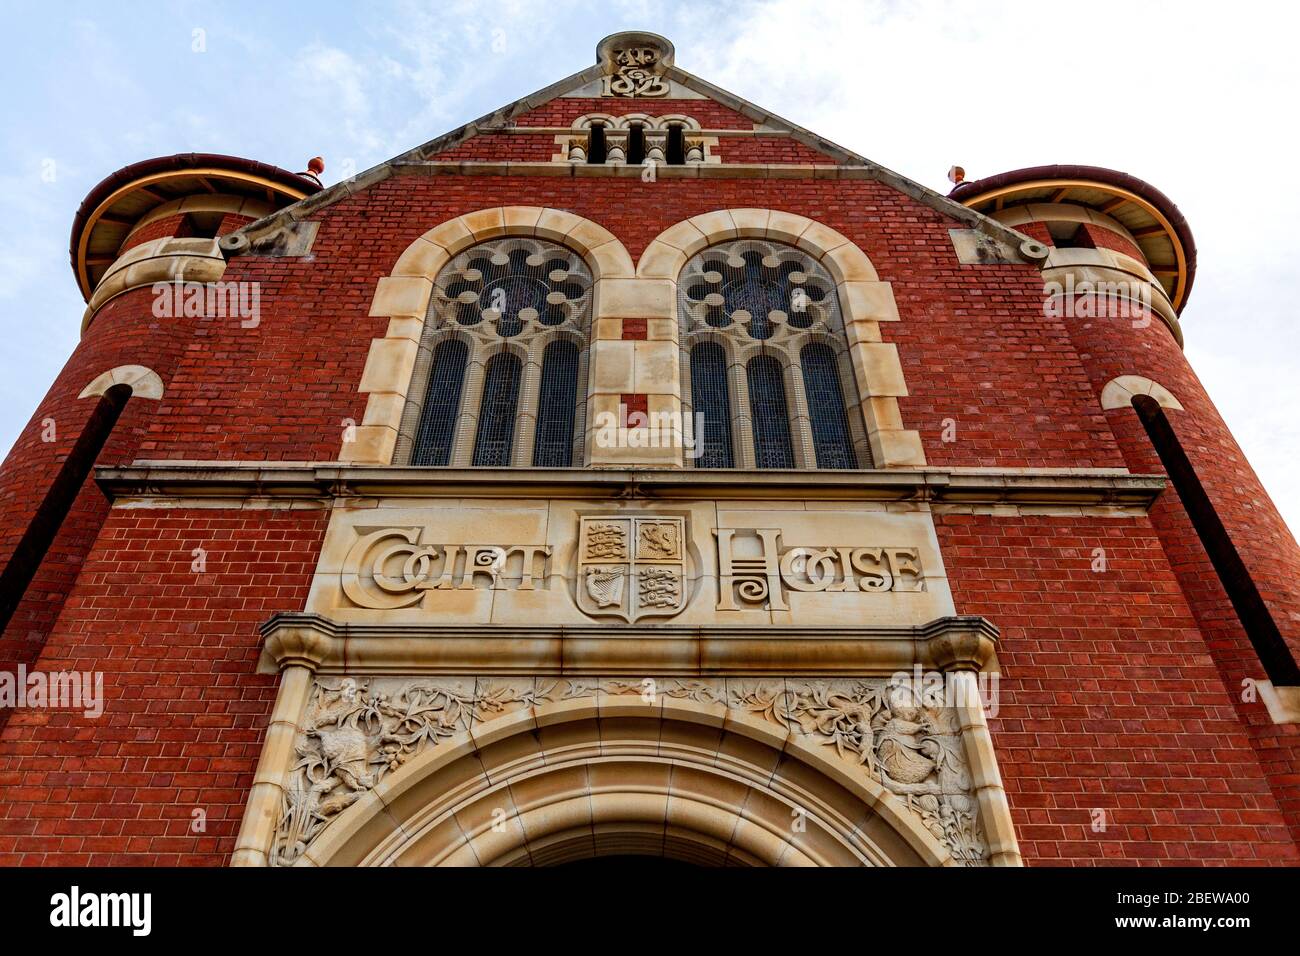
point(1193, 98)
point(330, 74)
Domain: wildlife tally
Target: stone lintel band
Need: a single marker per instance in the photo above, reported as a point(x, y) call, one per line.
point(177, 484)
point(312, 640)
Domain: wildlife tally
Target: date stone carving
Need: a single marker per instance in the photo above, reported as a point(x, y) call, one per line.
point(637, 73)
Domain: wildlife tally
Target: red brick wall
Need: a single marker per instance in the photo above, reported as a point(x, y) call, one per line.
point(1097, 237)
point(125, 332)
point(1113, 347)
point(562, 112)
point(232, 221)
point(539, 148)
point(503, 147)
point(532, 147)
point(164, 228)
point(175, 226)
point(1037, 230)
point(1103, 238)
point(974, 344)
point(767, 149)
point(185, 713)
point(1109, 699)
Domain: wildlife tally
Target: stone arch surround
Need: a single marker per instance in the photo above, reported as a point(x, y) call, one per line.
point(144, 382)
point(645, 365)
point(403, 298)
point(569, 783)
point(1121, 390)
point(864, 300)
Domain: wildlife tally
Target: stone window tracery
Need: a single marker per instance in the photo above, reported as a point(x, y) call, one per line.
point(501, 375)
point(765, 363)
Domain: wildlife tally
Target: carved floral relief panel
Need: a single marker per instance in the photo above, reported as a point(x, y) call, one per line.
point(358, 730)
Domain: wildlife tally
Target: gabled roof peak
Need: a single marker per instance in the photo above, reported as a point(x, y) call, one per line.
point(637, 68)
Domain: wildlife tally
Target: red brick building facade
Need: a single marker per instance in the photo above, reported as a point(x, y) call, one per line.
point(1036, 490)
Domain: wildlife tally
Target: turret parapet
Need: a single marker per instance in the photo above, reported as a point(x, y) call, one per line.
point(1102, 226)
point(189, 196)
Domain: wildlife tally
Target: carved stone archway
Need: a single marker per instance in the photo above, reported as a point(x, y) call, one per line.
point(678, 778)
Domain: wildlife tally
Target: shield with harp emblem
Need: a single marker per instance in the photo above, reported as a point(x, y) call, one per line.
point(631, 568)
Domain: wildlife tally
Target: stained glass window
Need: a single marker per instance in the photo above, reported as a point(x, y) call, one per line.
point(533, 294)
point(496, 416)
point(766, 307)
point(712, 407)
point(553, 447)
point(769, 414)
point(832, 443)
point(441, 404)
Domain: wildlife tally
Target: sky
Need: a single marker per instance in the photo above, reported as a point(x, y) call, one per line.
point(1197, 99)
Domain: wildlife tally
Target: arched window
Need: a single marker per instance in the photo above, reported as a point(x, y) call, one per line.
point(635, 138)
point(496, 413)
point(501, 375)
point(769, 415)
point(708, 378)
point(764, 351)
point(555, 408)
point(596, 143)
point(635, 144)
point(832, 443)
point(441, 404)
point(675, 152)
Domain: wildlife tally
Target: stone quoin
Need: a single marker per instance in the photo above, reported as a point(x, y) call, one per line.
point(350, 496)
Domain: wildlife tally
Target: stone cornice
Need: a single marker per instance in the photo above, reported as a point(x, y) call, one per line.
point(319, 482)
point(828, 170)
point(323, 645)
point(165, 260)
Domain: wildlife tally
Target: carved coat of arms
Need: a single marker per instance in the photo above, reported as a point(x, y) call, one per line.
point(632, 567)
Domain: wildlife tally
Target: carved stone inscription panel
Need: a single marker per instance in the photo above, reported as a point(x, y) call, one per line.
point(693, 563)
